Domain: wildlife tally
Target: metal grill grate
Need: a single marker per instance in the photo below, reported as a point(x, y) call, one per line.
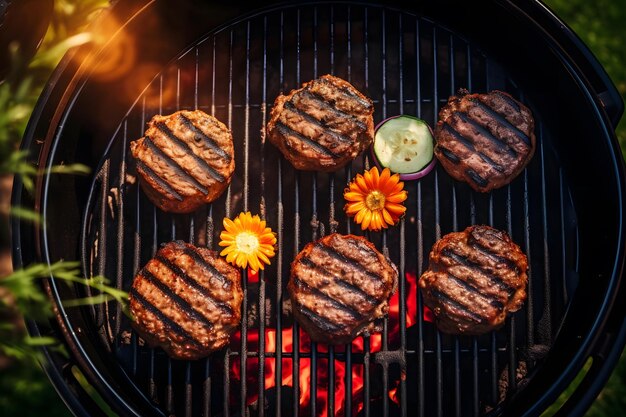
point(406, 64)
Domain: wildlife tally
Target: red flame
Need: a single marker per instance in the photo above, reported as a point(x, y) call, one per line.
point(321, 373)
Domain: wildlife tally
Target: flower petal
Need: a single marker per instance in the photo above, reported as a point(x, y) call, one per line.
point(375, 178)
point(374, 224)
point(387, 217)
point(395, 209)
point(397, 197)
point(367, 219)
point(359, 216)
point(228, 224)
point(362, 183)
point(353, 196)
point(352, 208)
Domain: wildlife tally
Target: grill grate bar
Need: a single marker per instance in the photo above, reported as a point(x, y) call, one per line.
point(439, 372)
point(545, 322)
point(358, 357)
point(169, 394)
point(385, 335)
point(151, 381)
point(366, 375)
point(420, 304)
point(244, 273)
point(492, 334)
point(348, 381)
point(529, 301)
point(512, 365)
point(420, 236)
point(331, 380)
point(188, 391)
point(475, 375)
point(262, 312)
point(314, 229)
point(366, 339)
point(455, 228)
point(244, 345)
point(226, 370)
point(296, 328)
point(102, 243)
point(279, 295)
point(121, 189)
point(206, 388)
point(280, 232)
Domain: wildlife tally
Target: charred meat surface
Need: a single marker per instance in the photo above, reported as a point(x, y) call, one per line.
point(323, 125)
point(485, 140)
point(184, 160)
point(186, 300)
point(475, 277)
point(339, 285)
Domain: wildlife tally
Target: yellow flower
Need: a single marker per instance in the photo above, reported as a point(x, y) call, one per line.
point(247, 241)
point(375, 200)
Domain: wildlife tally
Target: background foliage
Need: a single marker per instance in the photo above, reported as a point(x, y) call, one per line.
point(24, 389)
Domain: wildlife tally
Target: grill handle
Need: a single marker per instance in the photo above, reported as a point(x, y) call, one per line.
point(577, 52)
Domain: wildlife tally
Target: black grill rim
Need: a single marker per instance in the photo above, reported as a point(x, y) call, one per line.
point(610, 318)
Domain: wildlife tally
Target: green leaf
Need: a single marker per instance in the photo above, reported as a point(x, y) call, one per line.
point(72, 169)
point(25, 214)
point(53, 55)
point(40, 340)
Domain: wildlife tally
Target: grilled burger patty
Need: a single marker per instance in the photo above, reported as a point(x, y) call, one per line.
point(323, 125)
point(485, 140)
point(338, 286)
point(184, 160)
point(186, 300)
point(475, 277)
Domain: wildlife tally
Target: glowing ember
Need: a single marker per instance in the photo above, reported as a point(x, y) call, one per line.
point(285, 379)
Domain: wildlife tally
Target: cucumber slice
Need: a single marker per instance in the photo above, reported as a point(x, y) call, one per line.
point(404, 144)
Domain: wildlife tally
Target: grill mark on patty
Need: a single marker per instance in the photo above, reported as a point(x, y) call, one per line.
point(473, 175)
point(347, 261)
point(309, 118)
point(190, 281)
point(336, 303)
point(321, 322)
point(199, 259)
point(339, 114)
point(308, 262)
point(178, 170)
point(212, 143)
point(484, 132)
point(501, 119)
point(452, 157)
point(288, 131)
point(470, 288)
point(182, 304)
point(494, 256)
point(169, 323)
point(470, 146)
point(350, 95)
point(465, 261)
point(356, 245)
point(446, 299)
point(160, 181)
point(510, 101)
point(163, 128)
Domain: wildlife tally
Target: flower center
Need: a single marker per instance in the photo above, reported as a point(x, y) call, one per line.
point(375, 200)
point(247, 242)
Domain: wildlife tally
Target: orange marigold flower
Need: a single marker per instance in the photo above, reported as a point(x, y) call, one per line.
point(247, 241)
point(375, 199)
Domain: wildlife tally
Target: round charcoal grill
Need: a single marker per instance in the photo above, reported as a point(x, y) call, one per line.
point(565, 209)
